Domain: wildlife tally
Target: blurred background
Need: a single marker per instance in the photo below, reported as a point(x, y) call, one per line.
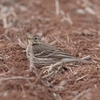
point(72, 25)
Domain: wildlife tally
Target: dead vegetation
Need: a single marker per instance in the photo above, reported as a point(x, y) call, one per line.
point(73, 26)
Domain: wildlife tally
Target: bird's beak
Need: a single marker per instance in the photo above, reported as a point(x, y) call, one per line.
point(29, 40)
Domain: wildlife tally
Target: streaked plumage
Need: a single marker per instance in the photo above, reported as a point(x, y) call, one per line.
point(45, 54)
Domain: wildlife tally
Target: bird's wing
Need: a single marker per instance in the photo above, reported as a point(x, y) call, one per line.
point(48, 51)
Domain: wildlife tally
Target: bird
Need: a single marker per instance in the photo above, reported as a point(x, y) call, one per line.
point(45, 54)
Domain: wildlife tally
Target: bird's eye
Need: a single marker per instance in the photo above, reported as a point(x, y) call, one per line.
point(35, 38)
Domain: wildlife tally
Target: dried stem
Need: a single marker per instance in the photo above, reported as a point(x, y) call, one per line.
point(15, 78)
point(57, 7)
point(81, 94)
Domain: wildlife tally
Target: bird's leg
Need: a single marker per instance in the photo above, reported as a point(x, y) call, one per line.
point(59, 69)
point(51, 67)
point(48, 69)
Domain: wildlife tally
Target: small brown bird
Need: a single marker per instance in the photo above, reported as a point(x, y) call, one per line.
point(45, 54)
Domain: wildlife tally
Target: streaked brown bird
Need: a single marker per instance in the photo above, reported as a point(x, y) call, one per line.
point(45, 54)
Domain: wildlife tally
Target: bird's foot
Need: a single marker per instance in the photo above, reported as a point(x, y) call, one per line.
point(48, 69)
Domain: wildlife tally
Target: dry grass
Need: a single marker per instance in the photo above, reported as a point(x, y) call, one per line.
point(72, 26)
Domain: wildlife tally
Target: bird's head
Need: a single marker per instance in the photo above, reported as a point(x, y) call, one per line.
point(34, 39)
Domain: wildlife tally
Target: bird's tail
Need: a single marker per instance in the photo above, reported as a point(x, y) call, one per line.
point(68, 60)
point(84, 61)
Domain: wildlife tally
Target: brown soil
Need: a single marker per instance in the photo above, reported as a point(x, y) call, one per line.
point(80, 37)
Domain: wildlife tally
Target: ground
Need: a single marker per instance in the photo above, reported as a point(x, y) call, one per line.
point(71, 25)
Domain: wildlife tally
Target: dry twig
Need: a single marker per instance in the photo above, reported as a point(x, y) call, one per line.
point(57, 7)
point(82, 77)
point(81, 94)
point(57, 96)
point(15, 78)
